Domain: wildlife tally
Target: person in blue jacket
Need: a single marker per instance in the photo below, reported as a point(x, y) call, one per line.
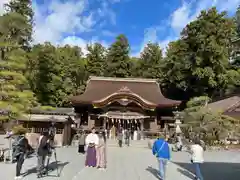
point(161, 151)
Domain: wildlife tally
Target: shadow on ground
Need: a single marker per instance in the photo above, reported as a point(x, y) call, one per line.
point(54, 166)
point(153, 171)
point(212, 170)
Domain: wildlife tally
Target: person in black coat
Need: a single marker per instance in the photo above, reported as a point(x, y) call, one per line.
point(81, 142)
point(19, 152)
point(42, 152)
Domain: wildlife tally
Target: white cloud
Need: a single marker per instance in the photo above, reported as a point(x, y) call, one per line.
point(150, 35)
point(75, 41)
point(63, 18)
point(63, 22)
point(2, 2)
point(183, 15)
point(105, 11)
point(189, 12)
point(109, 33)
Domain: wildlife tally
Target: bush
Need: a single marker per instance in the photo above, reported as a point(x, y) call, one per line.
point(19, 129)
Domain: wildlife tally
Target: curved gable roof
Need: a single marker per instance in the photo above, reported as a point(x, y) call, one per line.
point(99, 89)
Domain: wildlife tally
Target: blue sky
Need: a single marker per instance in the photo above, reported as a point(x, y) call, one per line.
point(78, 22)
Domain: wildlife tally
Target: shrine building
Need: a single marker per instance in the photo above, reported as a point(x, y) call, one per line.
point(132, 103)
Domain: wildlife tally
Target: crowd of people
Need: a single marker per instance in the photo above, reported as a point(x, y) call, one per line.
point(44, 150)
point(94, 146)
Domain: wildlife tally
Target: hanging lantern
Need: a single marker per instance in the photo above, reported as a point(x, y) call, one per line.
point(128, 121)
point(135, 121)
point(112, 120)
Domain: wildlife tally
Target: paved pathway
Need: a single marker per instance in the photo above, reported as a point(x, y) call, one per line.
point(132, 164)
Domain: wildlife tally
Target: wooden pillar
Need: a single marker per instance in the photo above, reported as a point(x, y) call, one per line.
point(141, 128)
point(105, 123)
point(79, 116)
point(90, 125)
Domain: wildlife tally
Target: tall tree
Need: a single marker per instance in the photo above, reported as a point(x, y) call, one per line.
point(135, 66)
point(177, 72)
point(73, 70)
point(151, 61)
point(237, 20)
point(55, 73)
point(24, 9)
point(15, 96)
point(118, 62)
point(206, 51)
point(96, 59)
point(47, 74)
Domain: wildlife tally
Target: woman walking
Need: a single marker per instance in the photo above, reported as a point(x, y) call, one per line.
point(197, 158)
point(92, 142)
point(101, 152)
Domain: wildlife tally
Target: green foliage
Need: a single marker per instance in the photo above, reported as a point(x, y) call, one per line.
point(237, 21)
point(198, 101)
point(56, 73)
point(203, 120)
point(15, 96)
point(96, 60)
point(151, 62)
point(47, 108)
point(19, 129)
point(198, 63)
point(24, 9)
point(118, 61)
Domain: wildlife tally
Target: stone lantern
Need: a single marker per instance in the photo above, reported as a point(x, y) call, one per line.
point(178, 122)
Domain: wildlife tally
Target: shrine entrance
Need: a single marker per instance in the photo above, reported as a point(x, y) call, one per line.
point(130, 103)
point(126, 120)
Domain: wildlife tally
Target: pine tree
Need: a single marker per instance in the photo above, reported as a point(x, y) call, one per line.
point(151, 61)
point(118, 61)
point(24, 9)
point(95, 60)
point(15, 97)
point(237, 20)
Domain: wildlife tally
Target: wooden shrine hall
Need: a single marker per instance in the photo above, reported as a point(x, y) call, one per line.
point(133, 103)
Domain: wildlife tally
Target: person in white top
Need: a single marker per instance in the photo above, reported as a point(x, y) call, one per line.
point(197, 158)
point(135, 135)
point(92, 140)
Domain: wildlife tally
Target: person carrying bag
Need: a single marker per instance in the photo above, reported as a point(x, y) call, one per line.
point(161, 151)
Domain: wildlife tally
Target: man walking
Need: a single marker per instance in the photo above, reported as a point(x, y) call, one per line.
point(120, 138)
point(20, 150)
point(161, 151)
point(127, 137)
point(42, 152)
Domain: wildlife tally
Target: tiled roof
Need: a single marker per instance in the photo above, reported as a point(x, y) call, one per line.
point(102, 89)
